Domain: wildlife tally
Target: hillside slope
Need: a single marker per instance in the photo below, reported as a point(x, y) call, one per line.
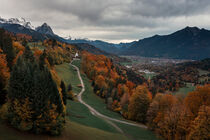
point(188, 43)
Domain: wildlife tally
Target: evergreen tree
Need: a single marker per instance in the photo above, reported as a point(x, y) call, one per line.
point(93, 83)
point(28, 54)
point(42, 59)
point(24, 42)
point(35, 103)
point(64, 94)
point(70, 94)
point(69, 88)
point(6, 46)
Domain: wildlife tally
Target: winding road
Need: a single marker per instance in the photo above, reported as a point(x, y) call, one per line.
point(96, 113)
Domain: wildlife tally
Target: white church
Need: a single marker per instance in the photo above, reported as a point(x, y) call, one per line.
point(76, 55)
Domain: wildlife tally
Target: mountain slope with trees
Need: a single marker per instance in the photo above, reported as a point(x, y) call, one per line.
point(188, 43)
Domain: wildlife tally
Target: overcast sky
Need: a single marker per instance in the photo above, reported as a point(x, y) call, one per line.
point(111, 20)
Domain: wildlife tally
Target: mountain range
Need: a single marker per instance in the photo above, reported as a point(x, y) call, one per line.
point(187, 43)
point(20, 25)
point(20, 21)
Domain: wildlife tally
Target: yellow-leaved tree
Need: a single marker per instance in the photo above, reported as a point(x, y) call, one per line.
point(139, 104)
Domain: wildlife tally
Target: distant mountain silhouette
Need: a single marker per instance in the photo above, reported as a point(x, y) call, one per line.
point(188, 43)
point(105, 46)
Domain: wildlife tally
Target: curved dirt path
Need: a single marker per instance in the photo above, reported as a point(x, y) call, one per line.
point(96, 113)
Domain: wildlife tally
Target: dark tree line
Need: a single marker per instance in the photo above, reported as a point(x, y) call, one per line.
point(35, 103)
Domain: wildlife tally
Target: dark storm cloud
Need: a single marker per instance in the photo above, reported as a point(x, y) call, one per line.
point(168, 8)
point(112, 20)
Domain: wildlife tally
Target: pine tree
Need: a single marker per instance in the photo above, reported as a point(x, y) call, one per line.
point(44, 111)
point(6, 46)
point(70, 94)
point(69, 88)
point(28, 54)
point(42, 59)
point(64, 94)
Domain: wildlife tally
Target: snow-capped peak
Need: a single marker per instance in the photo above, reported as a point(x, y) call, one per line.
point(20, 21)
point(68, 37)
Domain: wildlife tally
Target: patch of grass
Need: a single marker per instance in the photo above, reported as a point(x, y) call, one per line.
point(79, 113)
point(130, 63)
point(72, 131)
point(126, 63)
point(69, 75)
point(80, 132)
point(185, 90)
point(149, 75)
point(203, 72)
point(137, 133)
point(77, 63)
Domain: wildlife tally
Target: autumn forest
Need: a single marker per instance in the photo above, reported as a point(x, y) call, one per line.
point(37, 99)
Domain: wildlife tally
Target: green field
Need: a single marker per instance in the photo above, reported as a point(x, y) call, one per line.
point(72, 131)
point(69, 75)
point(79, 113)
point(137, 133)
point(203, 72)
point(126, 63)
point(185, 90)
point(130, 63)
point(149, 75)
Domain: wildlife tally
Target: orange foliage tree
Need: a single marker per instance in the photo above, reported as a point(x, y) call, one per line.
point(173, 118)
point(201, 125)
point(107, 81)
point(197, 98)
point(139, 104)
point(4, 76)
